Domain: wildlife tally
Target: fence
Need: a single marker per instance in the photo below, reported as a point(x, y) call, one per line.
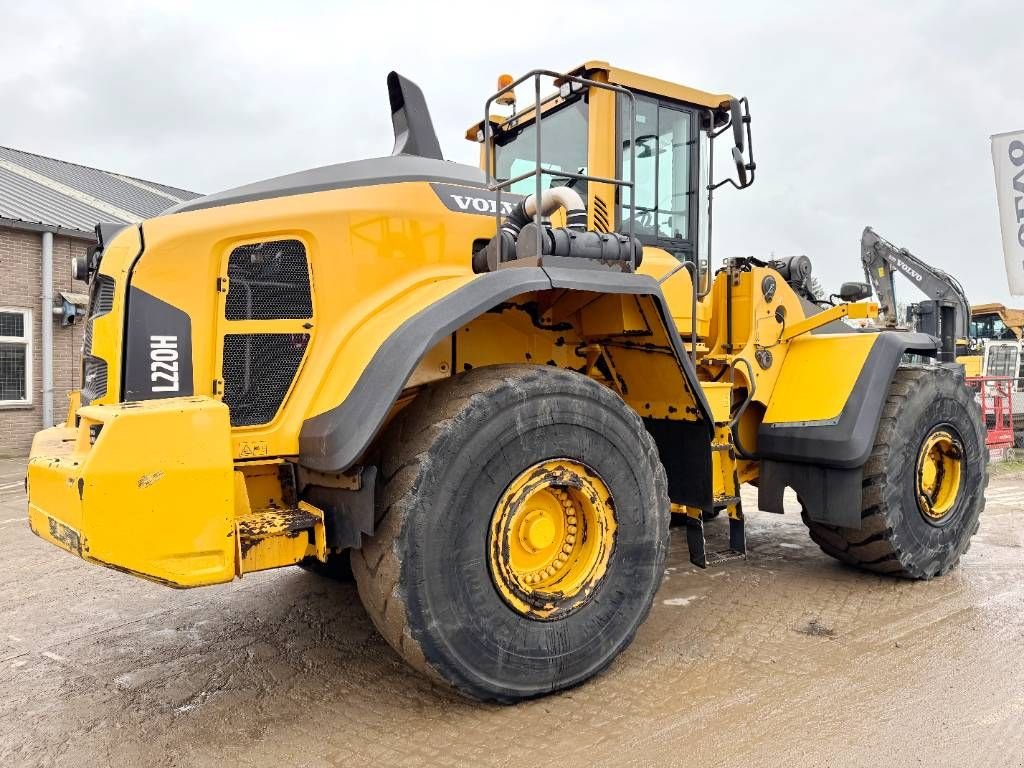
point(1002, 406)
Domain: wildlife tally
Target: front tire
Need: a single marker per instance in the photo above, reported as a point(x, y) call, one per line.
point(461, 578)
point(924, 483)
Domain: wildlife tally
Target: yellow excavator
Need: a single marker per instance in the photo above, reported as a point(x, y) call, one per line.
point(489, 389)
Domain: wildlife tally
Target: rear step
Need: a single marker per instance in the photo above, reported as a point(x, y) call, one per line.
point(277, 536)
point(737, 550)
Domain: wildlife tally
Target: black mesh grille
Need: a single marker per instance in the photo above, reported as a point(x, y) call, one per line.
point(94, 379)
point(268, 281)
point(87, 339)
point(258, 370)
point(102, 299)
point(94, 369)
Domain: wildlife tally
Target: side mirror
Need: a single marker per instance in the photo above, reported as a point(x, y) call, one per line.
point(854, 291)
point(736, 112)
point(741, 166)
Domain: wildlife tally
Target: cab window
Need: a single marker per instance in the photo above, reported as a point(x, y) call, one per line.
point(563, 148)
point(664, 140)
point(991, 327)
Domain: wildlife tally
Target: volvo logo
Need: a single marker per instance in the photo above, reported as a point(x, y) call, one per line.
point(472, 200)
point(1016, 155)
point(908, 270)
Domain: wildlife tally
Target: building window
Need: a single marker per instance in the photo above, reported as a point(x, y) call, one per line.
point(15, 356)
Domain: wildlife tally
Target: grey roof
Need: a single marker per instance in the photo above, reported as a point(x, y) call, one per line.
point(47, 193)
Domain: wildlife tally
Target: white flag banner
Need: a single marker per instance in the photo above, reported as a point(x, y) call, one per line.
point(1008, 161)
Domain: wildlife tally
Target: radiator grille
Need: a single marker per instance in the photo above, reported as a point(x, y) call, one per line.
point(268, 281)
point(102, 299)
point(258, 370)
point(94, 369)
point(94, 378)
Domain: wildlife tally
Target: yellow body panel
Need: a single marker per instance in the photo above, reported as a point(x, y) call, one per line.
point(370, 271)
point(833, 362)
point(677, 287)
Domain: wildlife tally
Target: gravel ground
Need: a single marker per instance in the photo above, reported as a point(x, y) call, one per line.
point(786, 658)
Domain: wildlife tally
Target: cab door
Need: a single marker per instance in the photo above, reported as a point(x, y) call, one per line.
point(667, 188)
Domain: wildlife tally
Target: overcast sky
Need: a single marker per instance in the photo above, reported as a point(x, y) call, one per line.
point(869, 113)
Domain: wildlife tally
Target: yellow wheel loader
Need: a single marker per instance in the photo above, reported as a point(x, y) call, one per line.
point(491, 388)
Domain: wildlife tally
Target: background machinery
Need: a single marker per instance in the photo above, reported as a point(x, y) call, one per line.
point(997, 322)
point(945, 315)
point(492, 387)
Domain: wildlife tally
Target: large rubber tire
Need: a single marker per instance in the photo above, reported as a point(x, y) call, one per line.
point(447, 459)
point(895, 537)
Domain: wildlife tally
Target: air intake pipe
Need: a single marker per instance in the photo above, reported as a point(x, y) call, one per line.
point(550, 201)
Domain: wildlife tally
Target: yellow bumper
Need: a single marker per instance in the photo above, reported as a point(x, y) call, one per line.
point(141, 487)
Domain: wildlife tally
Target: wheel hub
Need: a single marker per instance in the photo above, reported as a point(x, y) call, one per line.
point(552, 534)
point(537, 531)
point(939, 471)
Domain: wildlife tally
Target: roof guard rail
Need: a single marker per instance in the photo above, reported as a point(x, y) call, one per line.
point(496, 185)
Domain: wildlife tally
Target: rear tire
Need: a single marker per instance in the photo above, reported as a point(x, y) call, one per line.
point(427, 578)
point(896, 537)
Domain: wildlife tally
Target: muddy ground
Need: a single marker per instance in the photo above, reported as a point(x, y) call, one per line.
point(784, 659)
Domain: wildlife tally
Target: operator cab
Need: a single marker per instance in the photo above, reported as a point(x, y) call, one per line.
point(586, 131)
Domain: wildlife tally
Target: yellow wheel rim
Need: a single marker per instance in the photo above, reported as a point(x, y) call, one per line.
point(939, 472)
point(552, 535)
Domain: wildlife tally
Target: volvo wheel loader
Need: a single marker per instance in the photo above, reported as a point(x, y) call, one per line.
point(492, 387)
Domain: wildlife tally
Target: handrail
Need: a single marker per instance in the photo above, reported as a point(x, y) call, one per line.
point(539, 172)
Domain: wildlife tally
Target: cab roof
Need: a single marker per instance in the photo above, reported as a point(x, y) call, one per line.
point(634, 82)
point(637, 82)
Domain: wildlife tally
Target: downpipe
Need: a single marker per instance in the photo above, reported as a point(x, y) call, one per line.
point(46, 323)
